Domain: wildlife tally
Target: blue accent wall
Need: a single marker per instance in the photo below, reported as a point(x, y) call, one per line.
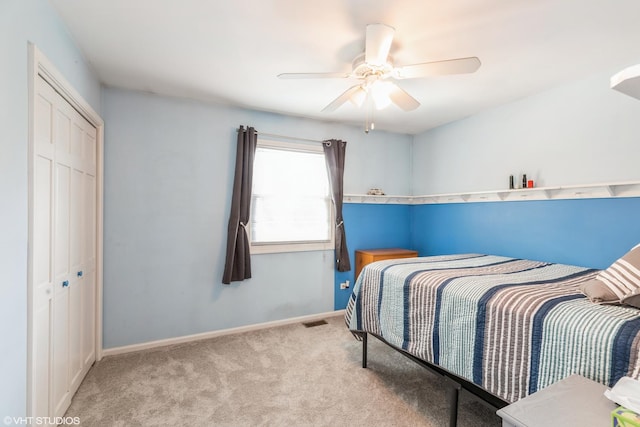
point(370, 226)
point(586, 232)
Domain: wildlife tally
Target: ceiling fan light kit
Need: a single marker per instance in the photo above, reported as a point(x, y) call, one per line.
point(375, 70)
point(380, 94)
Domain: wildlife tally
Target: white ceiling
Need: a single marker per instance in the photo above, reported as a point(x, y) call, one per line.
point(232, 50)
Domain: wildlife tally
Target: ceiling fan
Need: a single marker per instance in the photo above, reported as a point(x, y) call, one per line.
point(376, 72)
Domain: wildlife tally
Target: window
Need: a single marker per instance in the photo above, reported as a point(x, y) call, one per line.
point(291, 201)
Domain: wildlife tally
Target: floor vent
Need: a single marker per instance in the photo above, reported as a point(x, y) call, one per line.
point(316, 323)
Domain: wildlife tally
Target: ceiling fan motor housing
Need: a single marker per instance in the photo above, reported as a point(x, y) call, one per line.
point(363, 70)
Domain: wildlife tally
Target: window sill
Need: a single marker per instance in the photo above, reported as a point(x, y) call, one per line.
point(291, 247)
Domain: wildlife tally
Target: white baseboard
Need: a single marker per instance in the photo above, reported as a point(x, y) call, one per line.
point(206, 335)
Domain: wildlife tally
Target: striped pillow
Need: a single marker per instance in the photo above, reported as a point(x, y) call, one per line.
point(623, 276)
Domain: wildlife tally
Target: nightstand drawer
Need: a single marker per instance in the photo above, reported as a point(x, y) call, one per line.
point(367, 256)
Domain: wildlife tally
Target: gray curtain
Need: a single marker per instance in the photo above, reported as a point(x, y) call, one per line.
point(334, 154)
point(237, 266)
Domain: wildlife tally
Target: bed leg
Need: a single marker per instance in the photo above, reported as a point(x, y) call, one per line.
point(454, 390)
point(364, 349)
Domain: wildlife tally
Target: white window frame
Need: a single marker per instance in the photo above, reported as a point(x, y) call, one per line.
point(269, 248)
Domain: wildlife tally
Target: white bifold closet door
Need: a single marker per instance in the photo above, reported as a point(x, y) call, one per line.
point(64, 251)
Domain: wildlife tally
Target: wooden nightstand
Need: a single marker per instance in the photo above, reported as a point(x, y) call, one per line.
point(367, 256)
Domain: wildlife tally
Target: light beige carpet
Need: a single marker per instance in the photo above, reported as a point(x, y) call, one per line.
point(284, 376)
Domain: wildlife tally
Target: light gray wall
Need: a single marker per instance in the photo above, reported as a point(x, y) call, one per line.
point(579, 133)
point(22, 21)
point(168, 179)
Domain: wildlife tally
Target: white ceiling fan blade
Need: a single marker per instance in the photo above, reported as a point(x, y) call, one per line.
point(314, 75)
point(344, 97)
point(378, 43)
point(402, 99)
point(437, 68)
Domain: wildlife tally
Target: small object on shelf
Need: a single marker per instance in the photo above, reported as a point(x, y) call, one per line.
point(530, 183)
point(375, 192)
point(524, 180)
point(511, 185)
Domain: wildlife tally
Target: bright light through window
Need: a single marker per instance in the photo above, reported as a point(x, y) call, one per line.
point(290, 199)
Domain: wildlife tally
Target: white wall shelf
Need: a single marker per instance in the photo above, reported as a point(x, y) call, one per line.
point(588, 191)
point(379, 200)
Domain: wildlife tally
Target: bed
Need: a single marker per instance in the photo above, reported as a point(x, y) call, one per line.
point(501, 327)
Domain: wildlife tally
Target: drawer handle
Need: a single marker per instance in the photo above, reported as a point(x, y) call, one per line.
point(65, 283)
point(79, 273)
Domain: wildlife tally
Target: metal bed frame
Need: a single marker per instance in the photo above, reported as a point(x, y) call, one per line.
point(454, 382)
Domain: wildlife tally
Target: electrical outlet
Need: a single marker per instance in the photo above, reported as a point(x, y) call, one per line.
point(344, 285)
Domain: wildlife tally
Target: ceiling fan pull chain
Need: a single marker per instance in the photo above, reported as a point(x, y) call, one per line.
point(368, 125)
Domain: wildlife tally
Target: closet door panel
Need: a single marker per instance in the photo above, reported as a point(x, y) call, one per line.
point(61, 260)
point(89, 276)
point(90, 197)
point(60, 354)
point(60, 324)
point(63, 124)
point(42, 283)
point(44, 115)
point(43, 177)
point(88, 331)
point(90, 149)
point(42, 241)
point(76, 279)
point(62, 218)
point(41, 348)
point(77, 136)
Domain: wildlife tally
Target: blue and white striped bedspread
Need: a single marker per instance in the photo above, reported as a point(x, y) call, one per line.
point(511, 326)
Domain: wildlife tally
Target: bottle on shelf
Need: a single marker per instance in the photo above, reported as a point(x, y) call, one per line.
point(524, 180)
